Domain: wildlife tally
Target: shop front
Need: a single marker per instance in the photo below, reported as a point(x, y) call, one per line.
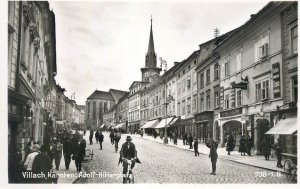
point(134, 127)
point(181, 126)
point(204, 125)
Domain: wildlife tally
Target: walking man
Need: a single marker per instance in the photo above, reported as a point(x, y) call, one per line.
point(101, 138)
point(229, 143)
point(97, 136)
point(184, 138)
point(79, 152)
point(57, 153)
point(196, 147)
point(190, 141)
point(111, 136)
point(213, 155)
point(42, 164)
point(68, 150)
point(91, 136)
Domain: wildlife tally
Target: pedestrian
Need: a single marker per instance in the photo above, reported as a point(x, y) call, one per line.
point(79, 152)
point(242, 148)
point(34, 151)
point(57, 153)
point(161, 135)
point(265, 148)
point(196, 147)
point(91, 136)
point(190, 139)
point(101, 138)
point(111, 136)
point(184, 138)
point(141, 133)
point(117, 139)
point(29, 146)
point(42, 164)
point(175, 139)
point(213, 155)
point(171, 136)
point(97, 136)
point(84, 131)
point(68, 150)
point(248, 145)
point(230, 143)
point(278, 152)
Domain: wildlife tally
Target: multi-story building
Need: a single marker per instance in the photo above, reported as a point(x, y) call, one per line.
point(121, 113)
point(81, 116)
point(98, 103)
point(31, 71)
point(251, 84)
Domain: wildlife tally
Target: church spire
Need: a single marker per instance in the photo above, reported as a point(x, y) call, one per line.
point(151, 42)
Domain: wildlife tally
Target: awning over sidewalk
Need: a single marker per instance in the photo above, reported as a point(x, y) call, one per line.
point(181, 122)
point(162, 123)
point(121, 125)
point(150, 124)
point(102, 126)
point(284, 127)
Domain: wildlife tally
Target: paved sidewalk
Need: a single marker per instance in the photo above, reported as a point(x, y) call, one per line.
point(254, 160)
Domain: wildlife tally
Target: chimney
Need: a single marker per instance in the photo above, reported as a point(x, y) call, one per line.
point(216, 32)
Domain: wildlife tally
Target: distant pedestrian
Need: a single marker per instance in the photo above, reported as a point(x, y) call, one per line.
point(141, 133)
point(175, 139)
point(84, 131)
point(42, 164)
point(190, 139)
point(97, 136)
point(57, 153)
point(196, 147)
point(79, 152)
point(265, 148)
point(161, 135)
point(184, 138)
point(101, 138)
point(91, 136)
point(111, 136)
point(213, 155)
point(248, 145)
point(171, 136)
point(278, 152)
point(242, 148)
point(230, 143)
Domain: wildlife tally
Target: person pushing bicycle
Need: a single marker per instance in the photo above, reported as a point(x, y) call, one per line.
point(128, 152)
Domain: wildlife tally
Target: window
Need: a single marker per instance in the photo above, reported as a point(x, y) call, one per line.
point(201, 81)
point(207, 76)
point(208, 100)
point(263, 50)
point(194, 78)
point(178, 108)
point(295, 89)
point(257, 91)
point(238, 98)
point(216, 99)
point(201, 102)
point(226, 69)
point(194, 103)
point(183, 107)
point(226, 104)
point(238, 61)
point(183, 86)
point(265, 89)
point(188, 84)
point(294, 39)
point(189, 105)
point(178, 88)
point(216, 71)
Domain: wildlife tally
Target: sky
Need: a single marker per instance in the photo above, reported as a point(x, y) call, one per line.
point(102, 44)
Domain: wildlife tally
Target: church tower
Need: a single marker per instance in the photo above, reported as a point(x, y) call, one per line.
point(150, 71)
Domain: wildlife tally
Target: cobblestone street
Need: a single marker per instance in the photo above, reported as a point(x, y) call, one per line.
point(166, 164)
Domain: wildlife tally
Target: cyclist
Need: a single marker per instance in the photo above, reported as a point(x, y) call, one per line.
point(128, 151)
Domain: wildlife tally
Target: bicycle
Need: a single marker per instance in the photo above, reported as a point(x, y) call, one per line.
point(129, 174)
point(290, 169)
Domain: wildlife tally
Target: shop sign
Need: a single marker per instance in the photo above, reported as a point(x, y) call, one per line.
point(241, 85)
point(232, 112)
point(276, 79)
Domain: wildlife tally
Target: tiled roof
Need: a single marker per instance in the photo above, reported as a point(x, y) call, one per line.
point(101, 95)
point(117, 94)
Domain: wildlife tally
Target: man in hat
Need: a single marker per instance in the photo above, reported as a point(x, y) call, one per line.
point(128, 152)
point(29, 160)
point(213, 155)
point(68, 150)
point(79, 152)
point(42, 164)
point(57, 153)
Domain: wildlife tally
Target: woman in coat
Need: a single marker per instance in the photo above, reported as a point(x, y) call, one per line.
point(230, 144)
point(265, 148)
point(242, 148)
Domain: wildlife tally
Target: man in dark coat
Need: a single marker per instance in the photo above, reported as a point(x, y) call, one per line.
point(196, 147)
point(128, 152)
point(265, 148)
point(57, 153)
point(213, 155)
point(42, 164)
point(97, 136)
point(91, 136)
point(184, 138)
point(190, 139)
point(79, 152)
point(248, 145)
point(230, 144)
point(278, 152)
point(68, 150)
point(242, 148)
point(112, 137)
point(101, 138)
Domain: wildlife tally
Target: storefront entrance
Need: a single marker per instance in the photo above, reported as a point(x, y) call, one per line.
point(234, 128)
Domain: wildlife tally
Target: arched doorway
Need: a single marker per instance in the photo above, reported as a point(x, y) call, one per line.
point(232, 127)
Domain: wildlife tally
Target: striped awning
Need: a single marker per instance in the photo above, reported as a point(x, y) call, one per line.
point(150, 124)
point(284, 127)
point(163, 123)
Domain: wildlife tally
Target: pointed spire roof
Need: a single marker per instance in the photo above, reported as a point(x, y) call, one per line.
point(151, 42)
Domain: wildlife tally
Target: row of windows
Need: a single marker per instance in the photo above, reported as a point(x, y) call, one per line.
point(186, 84)
point(208, 76)
point(134, 115)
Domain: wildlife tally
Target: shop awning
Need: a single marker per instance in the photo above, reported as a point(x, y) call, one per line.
point(162, 123)
point(284, 127)
point(150, 124)
point(102, 126)
point(181, 122)
point(121, 125)
point(174, 120)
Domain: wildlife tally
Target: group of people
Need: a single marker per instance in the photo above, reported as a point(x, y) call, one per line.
point(39, 158)
point(115, 137)
point(244, 147)
point(99, 137)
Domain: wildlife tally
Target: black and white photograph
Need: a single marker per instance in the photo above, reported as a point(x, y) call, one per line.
point(149, 92)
